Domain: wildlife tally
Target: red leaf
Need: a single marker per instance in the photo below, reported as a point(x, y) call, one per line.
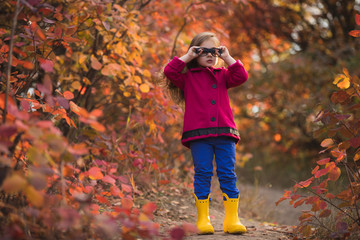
point(95, 64)
point(355, 142)
point(325, 213)
point(299, 203)
point(108, 179)
point(305, 183)
point(315, 170)
point(177, 233)
point(46, 64)
point(322, 172)
point(95, 173)
point(7, 131)
point(116, 192)
point(126, 188)
point(127, 203)
point(284, 197)
point(149, 208)
point(323, 161)
point(341, 226)
point(357, 19)
point(102, 199)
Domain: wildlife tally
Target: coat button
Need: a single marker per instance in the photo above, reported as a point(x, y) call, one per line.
point(214, 86)
point(213, 102)
point(212, 119)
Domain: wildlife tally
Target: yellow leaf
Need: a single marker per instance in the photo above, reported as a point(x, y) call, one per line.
point(342, 81)
point(14, 184)
point(76, 85)
point(127, 94)
point(147, 73)
point(144, 88)
point(357, 156)
point(82, 58)
point(137, 79)
point(34, 196)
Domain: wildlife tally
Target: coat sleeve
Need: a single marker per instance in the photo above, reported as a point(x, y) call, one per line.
point(173, 72)
point(235, 75)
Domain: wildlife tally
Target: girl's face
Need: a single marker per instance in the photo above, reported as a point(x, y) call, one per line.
point(207, 60)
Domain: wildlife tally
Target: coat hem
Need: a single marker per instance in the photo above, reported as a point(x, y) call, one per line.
point(209, 132)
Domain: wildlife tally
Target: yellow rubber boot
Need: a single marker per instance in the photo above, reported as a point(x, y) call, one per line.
point(203, 220)
point(232, 223)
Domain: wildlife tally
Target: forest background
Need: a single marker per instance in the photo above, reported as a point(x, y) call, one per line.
point(86, 122)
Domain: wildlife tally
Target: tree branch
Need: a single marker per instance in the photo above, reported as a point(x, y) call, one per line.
point(8, 70)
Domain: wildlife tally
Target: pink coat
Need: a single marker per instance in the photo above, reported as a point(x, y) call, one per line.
point(207, 107)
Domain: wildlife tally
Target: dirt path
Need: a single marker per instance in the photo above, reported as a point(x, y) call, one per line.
point(257, 205)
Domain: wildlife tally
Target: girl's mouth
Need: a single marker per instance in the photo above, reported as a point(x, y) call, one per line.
point(209, 61)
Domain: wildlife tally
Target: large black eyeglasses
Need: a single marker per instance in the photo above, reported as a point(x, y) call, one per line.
point(212, 51)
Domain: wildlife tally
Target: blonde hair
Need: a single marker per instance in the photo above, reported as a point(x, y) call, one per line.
point(176, 93)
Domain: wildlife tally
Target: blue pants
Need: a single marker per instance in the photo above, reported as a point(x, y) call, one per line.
point(203, 152)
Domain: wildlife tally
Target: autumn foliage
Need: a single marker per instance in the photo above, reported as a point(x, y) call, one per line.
point(335, 185)
point(82, 121)
point(87, 131)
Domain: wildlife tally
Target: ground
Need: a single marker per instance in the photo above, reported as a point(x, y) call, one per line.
point(257, 212)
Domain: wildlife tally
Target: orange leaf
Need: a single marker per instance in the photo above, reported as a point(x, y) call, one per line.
point(306, 183)
point(28, 65)
point(355, 33)
point(98, 126)
point(68, 95)
point(78, 110)
point(327, 142)
point(284, 197)
point(37, 30)
point(334, 174)
point(95, 173)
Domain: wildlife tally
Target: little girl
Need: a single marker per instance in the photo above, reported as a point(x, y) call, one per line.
point(209, 128)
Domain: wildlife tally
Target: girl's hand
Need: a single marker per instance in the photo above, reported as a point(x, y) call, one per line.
point(225, 52)
point(191, 54)
point(225, 55)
